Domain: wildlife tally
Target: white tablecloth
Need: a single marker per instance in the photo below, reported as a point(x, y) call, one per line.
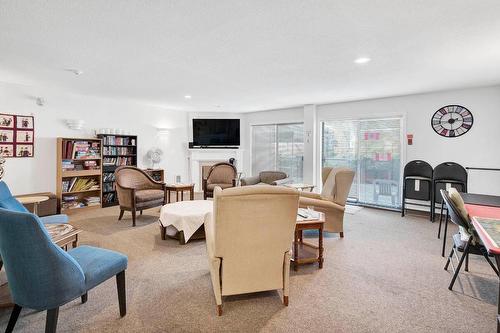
point(186, 216)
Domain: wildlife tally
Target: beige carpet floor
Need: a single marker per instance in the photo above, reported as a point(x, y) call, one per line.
point(386, 275)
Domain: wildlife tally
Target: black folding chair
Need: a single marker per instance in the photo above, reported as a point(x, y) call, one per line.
point(416, 172)
point(466, 247)
point(446, 173)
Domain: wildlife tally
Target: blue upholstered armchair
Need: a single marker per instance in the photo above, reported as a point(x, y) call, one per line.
point(43, 277)
point(7, 201)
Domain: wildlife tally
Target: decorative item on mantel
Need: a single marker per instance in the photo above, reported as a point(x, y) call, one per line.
point(17, 135)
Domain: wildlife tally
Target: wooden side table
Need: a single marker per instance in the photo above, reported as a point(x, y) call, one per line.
point(306, 253)
point(179, 188)
point(35, 200)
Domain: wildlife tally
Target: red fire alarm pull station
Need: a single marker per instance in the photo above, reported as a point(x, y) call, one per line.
point(410, 139)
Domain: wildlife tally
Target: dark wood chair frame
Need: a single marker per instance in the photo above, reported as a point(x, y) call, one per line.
point(468, 248)
point(132, 191)
point(210, 194)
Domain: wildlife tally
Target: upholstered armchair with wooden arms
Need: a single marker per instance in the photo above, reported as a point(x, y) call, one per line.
point(249, 238)
point(137, 191)
point(267, 178)
point(221, 174)
point(336, 186)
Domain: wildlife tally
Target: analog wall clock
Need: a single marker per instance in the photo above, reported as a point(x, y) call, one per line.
point(452, 120)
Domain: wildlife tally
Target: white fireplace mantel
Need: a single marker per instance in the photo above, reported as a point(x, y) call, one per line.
point(200, 157)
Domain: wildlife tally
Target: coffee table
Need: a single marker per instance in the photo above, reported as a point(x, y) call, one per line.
point(184, 220)
point(307, 253)
point(34, 199)
point(179, 188)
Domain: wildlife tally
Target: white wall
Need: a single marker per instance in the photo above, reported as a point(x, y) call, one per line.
point(477, 148)
point(25, 175)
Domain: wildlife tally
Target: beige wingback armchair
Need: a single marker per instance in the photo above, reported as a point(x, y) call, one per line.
point(222, 174)
point(249, 239)
point(136, 191)
point(266, 177)
point(336, 186)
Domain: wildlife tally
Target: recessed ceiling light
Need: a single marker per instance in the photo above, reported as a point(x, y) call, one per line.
point(187, 96)
point(362, 60)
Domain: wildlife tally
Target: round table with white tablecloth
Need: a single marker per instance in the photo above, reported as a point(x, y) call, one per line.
point(184, 218)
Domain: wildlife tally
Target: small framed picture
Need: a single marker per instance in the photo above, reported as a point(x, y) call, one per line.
point(6, 150)
point(24, 150)
point(22, 136)
point(6, 135)
point(24, 122)
point(7, 120)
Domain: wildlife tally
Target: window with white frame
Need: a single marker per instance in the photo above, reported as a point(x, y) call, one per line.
point(372, 148)
point(278, 147)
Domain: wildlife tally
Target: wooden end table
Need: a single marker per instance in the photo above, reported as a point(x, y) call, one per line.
point(179, 188)
point(33, 199)
point(307, 253)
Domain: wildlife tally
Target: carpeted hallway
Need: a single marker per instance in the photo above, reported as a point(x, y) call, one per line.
point(386, 275)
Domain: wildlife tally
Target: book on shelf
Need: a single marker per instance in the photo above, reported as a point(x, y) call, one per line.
point(118, 141)
point(117, 161)
point(76, 184)
point(109, 197)
point(72, 201)
point(108, 177)
point(118, 151)
point(81, 150)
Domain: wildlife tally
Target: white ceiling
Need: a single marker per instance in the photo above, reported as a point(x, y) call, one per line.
point(249, 55)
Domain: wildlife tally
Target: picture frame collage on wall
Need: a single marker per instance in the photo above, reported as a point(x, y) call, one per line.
point(17, 135)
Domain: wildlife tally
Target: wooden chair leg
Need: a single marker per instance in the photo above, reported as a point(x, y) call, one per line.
point(121, 214)
point(219, 310)
point(341, 234)
point(467, 263)
point(51, 322)
point(13, 318)
point(141, 212)
point(285, 300)
point(133, 217)
point(122, 297)
point(84, 298)
point(163, 232)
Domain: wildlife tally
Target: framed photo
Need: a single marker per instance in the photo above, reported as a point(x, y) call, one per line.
point(17, 135)
point(6, 150)
point(7, 120)
point(24, 122)
point(6, 136)
point(24, 150)
point(22, 137)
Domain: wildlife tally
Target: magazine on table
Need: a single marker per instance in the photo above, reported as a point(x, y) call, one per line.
point(305, 214)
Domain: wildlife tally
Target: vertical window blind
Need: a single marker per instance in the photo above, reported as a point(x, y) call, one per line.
point(372, 148)
point(278, 147)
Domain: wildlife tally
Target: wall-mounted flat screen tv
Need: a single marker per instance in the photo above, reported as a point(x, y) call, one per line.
point(216, 132)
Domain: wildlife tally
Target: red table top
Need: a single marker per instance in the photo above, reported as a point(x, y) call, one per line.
point(485, 220)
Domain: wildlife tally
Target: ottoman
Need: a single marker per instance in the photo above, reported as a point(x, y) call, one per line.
point(184, 220)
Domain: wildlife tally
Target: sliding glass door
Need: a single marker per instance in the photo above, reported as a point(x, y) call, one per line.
point(278, 147)
point(372, 148)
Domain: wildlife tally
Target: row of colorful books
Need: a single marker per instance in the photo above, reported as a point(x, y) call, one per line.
point(81, 149)
point(80, 184)
point(71, 202)
point(69, 165)
point(119, 141)
point(117, 161)
point(118, 151)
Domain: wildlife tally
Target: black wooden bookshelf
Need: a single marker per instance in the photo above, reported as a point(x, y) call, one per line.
point(117, 150)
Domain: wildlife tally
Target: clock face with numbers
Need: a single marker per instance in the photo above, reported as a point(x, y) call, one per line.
point(452, 120)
